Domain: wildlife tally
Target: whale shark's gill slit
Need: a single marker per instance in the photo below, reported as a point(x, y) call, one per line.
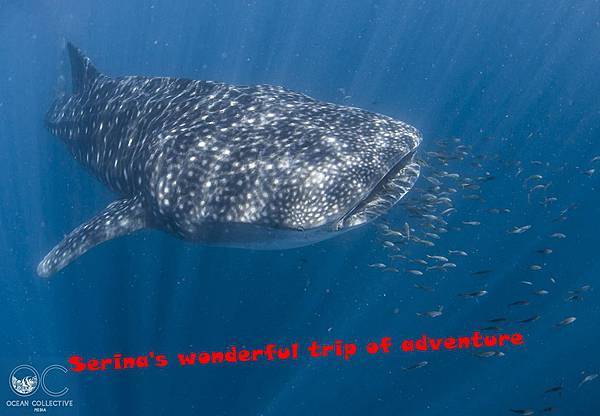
point(390, 189)
point(119, 218)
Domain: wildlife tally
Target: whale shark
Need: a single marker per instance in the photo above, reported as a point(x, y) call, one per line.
point(259, 167)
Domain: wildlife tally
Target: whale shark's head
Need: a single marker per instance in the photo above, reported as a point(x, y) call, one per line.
point(299, 189)
point(350, 167)
point(377, 174)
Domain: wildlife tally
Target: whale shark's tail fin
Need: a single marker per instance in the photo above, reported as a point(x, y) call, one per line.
point(119, 218)
point(83, 71)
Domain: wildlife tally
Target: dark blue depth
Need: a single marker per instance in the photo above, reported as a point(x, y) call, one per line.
point(517, 81)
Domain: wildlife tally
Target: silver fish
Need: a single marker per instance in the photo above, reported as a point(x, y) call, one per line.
point(393, 233)
point(519, 230)
point(524, 412)
point(476, 294)
point(432, 314)
point(473, 223)
point(530, 319)
point(566, 321)
point(587, 379)
point(555, 389)
point(488, 354)
point(438, 258)
point(535, 267)
point(533, 177)
point(448, 211)
point(417, 365)
point(573, 298)
point(519, 303)
point(559, 236)
point(407, 231)
point(424, 242)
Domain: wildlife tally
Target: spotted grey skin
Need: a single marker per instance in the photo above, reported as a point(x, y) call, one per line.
point(244, 166)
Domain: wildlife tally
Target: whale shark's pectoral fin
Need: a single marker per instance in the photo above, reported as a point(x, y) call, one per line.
point(119, 218)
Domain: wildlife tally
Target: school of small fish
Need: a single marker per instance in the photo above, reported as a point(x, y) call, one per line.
point(420, 247)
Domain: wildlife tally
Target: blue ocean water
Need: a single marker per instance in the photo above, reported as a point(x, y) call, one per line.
point(515, 82)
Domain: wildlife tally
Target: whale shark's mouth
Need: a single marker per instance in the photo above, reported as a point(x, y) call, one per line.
point(390, 189)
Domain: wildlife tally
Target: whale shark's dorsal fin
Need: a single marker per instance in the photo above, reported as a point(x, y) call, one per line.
point(119, 218)
point(83, 71)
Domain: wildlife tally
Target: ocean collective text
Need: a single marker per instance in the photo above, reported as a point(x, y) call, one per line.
point(39, 403)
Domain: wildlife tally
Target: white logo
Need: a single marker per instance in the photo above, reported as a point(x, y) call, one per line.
point(24, 380)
